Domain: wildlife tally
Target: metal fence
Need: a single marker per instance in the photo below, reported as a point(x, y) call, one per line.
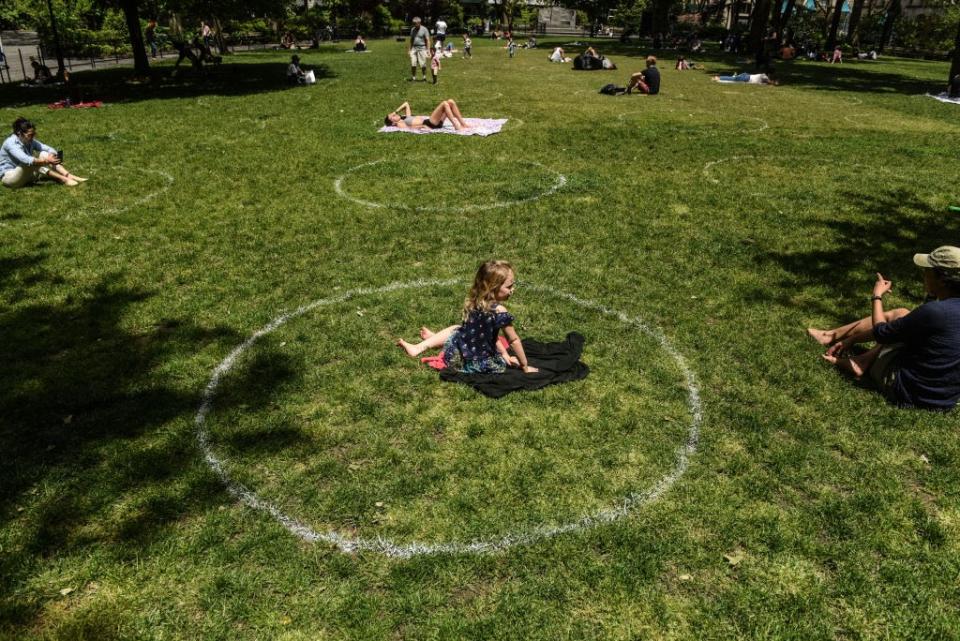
point(17, 67)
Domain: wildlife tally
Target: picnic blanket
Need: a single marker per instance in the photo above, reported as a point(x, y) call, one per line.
point(558, 362)
point(943, 97)
point(478, 127)
point(64, 104)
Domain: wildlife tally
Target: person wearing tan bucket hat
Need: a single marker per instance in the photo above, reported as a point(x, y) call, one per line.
point(916, 362)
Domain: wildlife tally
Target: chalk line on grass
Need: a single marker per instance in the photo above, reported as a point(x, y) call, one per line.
point(389, 548)
point(144, 199)
point(558, 183)
point(763, 124)
point(708, 167)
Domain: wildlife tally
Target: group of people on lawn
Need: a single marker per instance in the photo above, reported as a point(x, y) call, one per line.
point(916, 360)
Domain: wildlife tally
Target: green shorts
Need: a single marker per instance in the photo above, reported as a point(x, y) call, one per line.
point(885, 369)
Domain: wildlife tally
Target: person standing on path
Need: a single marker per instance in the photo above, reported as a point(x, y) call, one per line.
point(206, 32)
point(419, 49)
point(151, 34)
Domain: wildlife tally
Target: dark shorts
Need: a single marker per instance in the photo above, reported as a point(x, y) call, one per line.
point(431, 124)
point(883, 373)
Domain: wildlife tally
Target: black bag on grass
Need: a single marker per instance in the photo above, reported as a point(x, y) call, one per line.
point(612, 90)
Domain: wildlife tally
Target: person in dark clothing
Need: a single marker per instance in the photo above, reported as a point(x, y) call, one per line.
point(954, 89)
point(916, 362)
point(647, 81)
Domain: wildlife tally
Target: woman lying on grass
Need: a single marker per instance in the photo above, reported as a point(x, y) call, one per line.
point(472, 347)
point(447, 109)
point(917, 360)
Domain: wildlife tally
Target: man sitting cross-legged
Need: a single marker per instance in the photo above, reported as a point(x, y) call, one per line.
point(917, 360)
point(647, 81)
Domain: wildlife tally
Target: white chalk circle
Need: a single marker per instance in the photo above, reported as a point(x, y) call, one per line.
point(348, 544)
point(559, 181)
point(168, 182)
point(708, 167)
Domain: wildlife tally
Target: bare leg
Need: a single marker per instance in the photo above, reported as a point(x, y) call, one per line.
point(66, 172)
point(456, 112)
point(439, 113)
point(425, 333)
point(431, 342)
point(858, 331)
point(858, 365)
point(61, 178)
point(636, 80)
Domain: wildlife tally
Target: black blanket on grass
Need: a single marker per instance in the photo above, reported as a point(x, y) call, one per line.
point(558, 363)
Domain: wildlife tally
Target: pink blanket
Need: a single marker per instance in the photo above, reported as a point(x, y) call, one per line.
point(478, 127)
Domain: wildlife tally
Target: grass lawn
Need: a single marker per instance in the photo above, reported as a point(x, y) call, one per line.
point(725, 219)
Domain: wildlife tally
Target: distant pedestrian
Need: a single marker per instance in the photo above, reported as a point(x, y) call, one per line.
point(151, 34)
point(837, 55)
point(435, 63)
point(440, 30)
point(467, 46)
point(207, 33)
point(419, 49)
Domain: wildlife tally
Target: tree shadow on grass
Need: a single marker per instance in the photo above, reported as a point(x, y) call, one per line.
point(892, 227)
point(96, 452)
point(856, 79)
point(239, 77)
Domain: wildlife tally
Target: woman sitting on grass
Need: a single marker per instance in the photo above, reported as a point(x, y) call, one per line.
point(18, 165)
point(447, 109)
point(472, 347)
point(917, 360)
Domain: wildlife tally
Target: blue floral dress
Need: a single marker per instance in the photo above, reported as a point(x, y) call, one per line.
point(472, 348)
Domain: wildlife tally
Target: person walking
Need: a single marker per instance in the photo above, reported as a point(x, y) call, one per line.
point(151, 34)
point(440, 31)
point(419, 49)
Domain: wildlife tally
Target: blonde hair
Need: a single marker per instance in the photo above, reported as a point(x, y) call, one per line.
point(491, 275)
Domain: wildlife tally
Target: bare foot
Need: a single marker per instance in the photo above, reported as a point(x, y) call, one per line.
point(822, 336)
point(78, 178)
point(425, 333)
point(70, 182)
point(411, 350)
point(849, 365)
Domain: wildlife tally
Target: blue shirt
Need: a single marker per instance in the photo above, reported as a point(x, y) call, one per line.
point(476, 339)
point(15, 154)
point(928, 373)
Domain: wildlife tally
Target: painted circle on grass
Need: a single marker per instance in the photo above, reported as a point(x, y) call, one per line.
point(347, 544)
point(167, 184)
point(559, 181)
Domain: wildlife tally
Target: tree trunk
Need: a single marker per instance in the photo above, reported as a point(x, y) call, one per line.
point(834, 25)
point(853, 29)
point(955, 63)
point(141, 65)
point(758, 24)
point(661, 16)
point(221, 43)
point(783, 20)
point(735, 14)
point(893, 12)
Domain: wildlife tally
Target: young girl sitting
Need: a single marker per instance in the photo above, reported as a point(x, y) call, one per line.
point(472, 347)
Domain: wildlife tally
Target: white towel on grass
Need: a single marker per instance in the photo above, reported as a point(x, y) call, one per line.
point(478, 127)
point(943, 97)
